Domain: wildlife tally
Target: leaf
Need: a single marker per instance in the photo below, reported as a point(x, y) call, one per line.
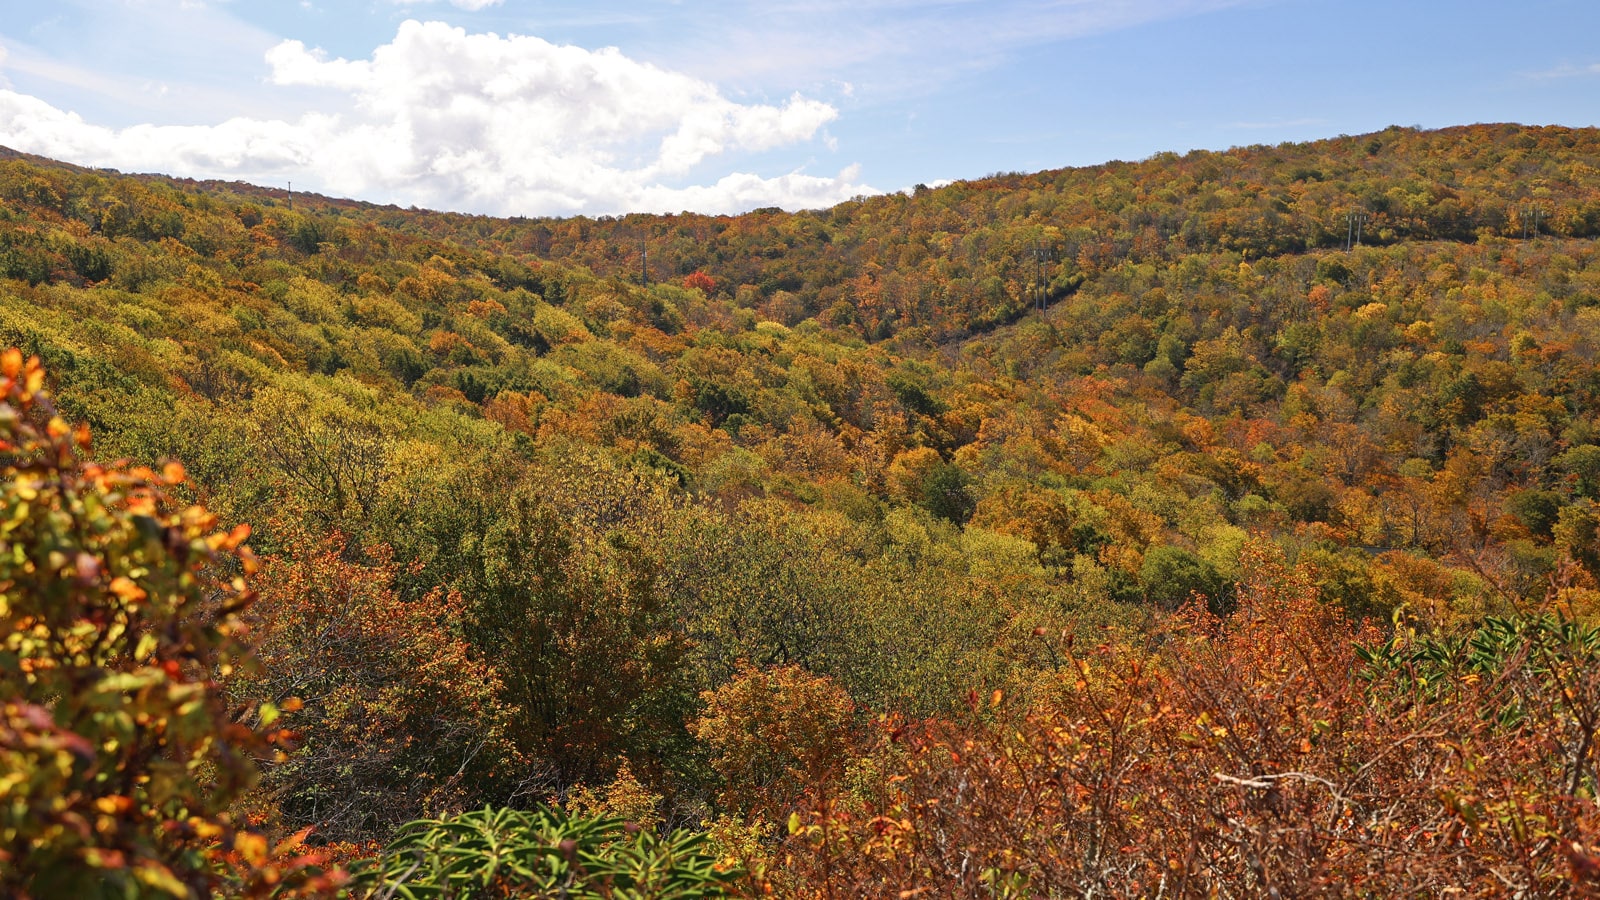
point(253, 847)
point(154, 875)
point(125, 589)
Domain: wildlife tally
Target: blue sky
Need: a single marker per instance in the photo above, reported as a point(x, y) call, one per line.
point(529, 107)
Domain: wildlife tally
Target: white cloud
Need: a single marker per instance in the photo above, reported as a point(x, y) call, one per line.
point(468, 5)
point(439, 117)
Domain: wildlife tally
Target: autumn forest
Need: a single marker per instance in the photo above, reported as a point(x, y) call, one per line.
point(1215, 525)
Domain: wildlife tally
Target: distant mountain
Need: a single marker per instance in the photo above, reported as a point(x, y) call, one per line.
point(962, 258)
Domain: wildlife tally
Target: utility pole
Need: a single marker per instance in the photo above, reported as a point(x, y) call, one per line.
point(1530, 221)
point(1353, 223)
point(1041, 257)
point(291, 195)
point(644, 263)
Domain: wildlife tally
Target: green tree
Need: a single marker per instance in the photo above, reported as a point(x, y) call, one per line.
point(566, 606)
point(1172, 575)
point(945, 493)
point(1583, 464)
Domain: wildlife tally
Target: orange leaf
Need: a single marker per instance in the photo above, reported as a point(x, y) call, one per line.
point(292, 842)
point(124, 588)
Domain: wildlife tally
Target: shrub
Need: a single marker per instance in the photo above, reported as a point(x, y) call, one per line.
point(118, 758)
point(773, 733)
point(504, 853)
point(1276, 752)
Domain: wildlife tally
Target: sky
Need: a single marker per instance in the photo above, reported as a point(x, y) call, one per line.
point(557, 107)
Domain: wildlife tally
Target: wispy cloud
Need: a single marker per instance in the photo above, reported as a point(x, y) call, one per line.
point(468, 5)
point(42, 67)
point(443, 118)
point(1565, 70)
point(906, 45)
point(127, 61)
point(1277, 124)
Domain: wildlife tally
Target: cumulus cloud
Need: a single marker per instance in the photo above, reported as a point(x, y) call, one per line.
point(443, 118)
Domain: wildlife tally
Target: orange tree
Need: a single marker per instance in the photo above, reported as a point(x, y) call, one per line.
point(396, 720)
point(118, 757)
point(773, 733)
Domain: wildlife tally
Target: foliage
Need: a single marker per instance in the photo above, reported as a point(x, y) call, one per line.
point(394, 719)
point(539, 853)
point(120, 759)
point(1172, 575)
point(574, 621)
point(519, 511)
point(772, 734)
point(624, 798)
point(1242, 756)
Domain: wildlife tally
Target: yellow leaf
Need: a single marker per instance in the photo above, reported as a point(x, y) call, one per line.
point(253, 847)
point(204, 828)
point(157, 876)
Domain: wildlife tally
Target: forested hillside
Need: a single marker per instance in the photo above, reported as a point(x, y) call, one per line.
point(1218, 520)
